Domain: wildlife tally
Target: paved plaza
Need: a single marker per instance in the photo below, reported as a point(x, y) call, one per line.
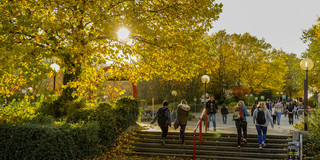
point(283, 129)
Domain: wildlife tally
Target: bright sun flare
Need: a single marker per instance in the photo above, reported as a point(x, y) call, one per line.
point(123, 33)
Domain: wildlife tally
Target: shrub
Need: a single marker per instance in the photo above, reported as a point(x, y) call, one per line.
point(57, 141)
point(191, 116)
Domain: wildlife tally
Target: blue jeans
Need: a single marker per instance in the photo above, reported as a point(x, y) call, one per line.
point(213, 116)
point(278, 118)
point(224, 118)
point(182, 129)
point(264, 130)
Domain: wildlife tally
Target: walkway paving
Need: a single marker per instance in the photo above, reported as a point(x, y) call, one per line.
point(283, 129)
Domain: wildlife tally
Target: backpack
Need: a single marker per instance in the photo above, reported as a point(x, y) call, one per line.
point(261, 117)
point(162, 118)
point(238, 113)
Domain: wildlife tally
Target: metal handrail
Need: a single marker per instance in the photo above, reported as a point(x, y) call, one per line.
point(204, 113)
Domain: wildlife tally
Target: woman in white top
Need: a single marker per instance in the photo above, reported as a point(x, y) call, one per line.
point(262, 125)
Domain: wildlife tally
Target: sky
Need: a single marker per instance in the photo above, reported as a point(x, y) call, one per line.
point(279, 22)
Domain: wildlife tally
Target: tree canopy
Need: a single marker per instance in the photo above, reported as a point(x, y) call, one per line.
point(165, 40)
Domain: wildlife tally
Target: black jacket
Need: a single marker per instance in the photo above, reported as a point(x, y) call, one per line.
point(211, 107)
point(224, 110)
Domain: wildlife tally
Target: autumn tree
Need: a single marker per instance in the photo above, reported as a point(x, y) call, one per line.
point(244, 61)
point(312, 36)
point(165, 40)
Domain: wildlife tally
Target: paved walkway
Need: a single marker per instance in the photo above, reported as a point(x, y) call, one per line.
point(283, 129)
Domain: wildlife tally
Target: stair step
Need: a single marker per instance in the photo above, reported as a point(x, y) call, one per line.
point(215, 134)
point(210, 138)
point(214, 153)
point(211, 143)
point(197, 156)
point(212, 148)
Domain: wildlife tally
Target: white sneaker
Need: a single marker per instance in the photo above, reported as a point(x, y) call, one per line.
point(260, 147)
point(263, 144)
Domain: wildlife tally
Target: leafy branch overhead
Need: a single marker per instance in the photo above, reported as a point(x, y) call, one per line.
point(80, 35)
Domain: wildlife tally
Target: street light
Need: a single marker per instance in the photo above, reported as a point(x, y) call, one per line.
point(256, 98)
point(56, 68)
point(205, 79)
point(262, 98)
point(306, 64)
point(174, 94)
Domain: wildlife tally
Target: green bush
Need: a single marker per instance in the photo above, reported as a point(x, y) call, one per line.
point(190, 116)
point(60, 108)
point(57, 141)
point(86, 132)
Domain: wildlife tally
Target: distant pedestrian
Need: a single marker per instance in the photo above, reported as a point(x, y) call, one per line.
point(290, 111)
point(254, 106)
point(295, 111)
point(261, 118)
point(224, 113)
point(183, 111)
point(274, 115)
point(239, 115)
point(268, 105)
point(164, 120)
point(284, 108)
point(212, 108)
point(278, 107)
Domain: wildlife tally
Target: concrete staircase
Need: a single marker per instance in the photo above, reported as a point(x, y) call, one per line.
point(214, 146)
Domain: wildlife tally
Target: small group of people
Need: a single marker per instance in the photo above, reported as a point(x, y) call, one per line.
point(164, 119)
point(261, 118)
point(260, 113)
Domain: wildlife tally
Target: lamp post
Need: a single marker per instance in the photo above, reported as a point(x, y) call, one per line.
point(56, 68)
point(262, 98)
point(205, 79)
point(174, 94)
point(256, 98)
point(306, 64)
point(277, 93)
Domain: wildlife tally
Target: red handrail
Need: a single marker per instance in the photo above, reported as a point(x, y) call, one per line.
point(204, 113)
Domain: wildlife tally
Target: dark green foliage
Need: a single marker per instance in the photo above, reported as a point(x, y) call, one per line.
point(60, 108)
point(86, 132)
point(311, 147)
point(127, 111)
point(34, 141)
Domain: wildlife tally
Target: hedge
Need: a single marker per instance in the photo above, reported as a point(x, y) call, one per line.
point(85, 133)
point(36, 141)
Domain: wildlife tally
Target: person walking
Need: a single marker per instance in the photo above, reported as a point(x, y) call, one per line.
point(268, 105)
point(261, 118)
point(278, 107)
point(212, 108)
point(183, 111)
point(284, 108)
point(224, 113)
point(295, 111)
point(290, 111)
point(239, 116)
point(274, 115)
point(164, 120)
point(253, 108)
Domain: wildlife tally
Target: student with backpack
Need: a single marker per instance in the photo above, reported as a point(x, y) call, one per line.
point(261, 118)
point(183, 111)
point(239, 115)
point(164, 120)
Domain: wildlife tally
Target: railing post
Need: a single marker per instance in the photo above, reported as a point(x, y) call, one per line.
point(205, 120)
point(200, 134)
point(194, 145)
